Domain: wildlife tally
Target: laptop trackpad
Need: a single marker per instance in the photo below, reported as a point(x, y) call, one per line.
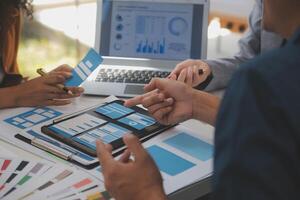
point(134, 89)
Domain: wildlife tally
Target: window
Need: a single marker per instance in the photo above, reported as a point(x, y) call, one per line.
point(60, 33)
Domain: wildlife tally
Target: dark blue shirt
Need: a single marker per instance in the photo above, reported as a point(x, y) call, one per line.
point(257, 140)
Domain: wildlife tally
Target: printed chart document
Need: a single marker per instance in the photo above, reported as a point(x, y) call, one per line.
point(182, 156)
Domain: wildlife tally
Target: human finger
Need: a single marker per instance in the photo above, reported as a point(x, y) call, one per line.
point(189, 77)
point(168, 102)
point(173, 77)
point(138, 99)
point(65, 74)
point(76, 91)
point(54, 79)
point(157, 83)
point(104, 153)
point(162, 115)
point(182, 66)
point(153, 99)
point(56, 102)
point(64, 67)
point(134, 146)
point(58, 96)
point(125, 157)
point(182, 75)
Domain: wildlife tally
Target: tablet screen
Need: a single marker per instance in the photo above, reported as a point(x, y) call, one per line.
point(108, 123)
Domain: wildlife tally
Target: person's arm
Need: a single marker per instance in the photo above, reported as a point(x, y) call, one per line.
point(7, 99)
point(171, 102)
point(205, 107)
point(256, 143)
point(41, 91)
point(217, 72)
point(249, 47)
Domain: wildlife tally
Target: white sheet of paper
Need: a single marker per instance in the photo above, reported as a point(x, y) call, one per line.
point(201, 170)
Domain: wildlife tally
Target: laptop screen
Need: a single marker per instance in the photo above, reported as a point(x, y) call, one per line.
point(164, 31)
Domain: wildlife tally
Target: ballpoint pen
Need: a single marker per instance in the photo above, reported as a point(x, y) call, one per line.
point(41, 72)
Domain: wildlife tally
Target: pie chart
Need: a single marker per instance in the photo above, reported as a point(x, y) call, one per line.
point(178, 26)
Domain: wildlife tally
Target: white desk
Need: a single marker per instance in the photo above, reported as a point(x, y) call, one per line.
point(191, 192)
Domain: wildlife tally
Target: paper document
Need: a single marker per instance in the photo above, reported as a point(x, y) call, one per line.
point(33, 180)
point(182, 156)
point(82, 71)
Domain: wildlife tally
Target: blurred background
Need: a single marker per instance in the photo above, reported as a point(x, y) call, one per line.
point(62, 31)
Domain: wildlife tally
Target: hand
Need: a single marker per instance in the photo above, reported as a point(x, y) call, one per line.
point(188, 72)
point(168, 101)
point(43, 91)
point(130, 179)
point(68, 70)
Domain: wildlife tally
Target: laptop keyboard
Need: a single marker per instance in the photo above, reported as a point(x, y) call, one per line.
point(129, 76)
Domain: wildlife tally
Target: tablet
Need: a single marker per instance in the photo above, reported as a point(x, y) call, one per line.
point(108, 123)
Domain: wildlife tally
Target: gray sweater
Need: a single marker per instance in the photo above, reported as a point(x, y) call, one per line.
point(254, 42)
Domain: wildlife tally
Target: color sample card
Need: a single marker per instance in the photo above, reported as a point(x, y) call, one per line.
point(71, 190)
point(37, 170)
point(191, 146)
point(43, 181)
point(5, 164)
point(77, 125)
point(82, 71)
point(114, 110)
point(138, 121)
point(107, 133)
point(33, 117)
point(168, 162)
point(10, 177)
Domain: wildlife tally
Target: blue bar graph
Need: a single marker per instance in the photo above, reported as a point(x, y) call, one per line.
point(147, 47)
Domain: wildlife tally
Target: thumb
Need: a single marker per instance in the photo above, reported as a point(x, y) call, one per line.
point(134, 146)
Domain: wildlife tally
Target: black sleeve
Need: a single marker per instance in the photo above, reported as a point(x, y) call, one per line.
point(256, 155)
point(11, 80)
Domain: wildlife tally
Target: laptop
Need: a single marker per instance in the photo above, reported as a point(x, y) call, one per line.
point(143, 39)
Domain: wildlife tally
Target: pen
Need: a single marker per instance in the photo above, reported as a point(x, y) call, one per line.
point(41, 72)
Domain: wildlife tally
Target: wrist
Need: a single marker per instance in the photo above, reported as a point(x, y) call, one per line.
point(205, 107)
point(8, 97)
point(195, 104)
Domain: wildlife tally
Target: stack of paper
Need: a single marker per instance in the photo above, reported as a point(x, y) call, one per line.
point(21, 179)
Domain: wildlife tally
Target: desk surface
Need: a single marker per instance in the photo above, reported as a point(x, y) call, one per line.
point(191, 192)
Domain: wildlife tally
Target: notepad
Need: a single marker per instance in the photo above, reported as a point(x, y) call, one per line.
point(81, 72)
